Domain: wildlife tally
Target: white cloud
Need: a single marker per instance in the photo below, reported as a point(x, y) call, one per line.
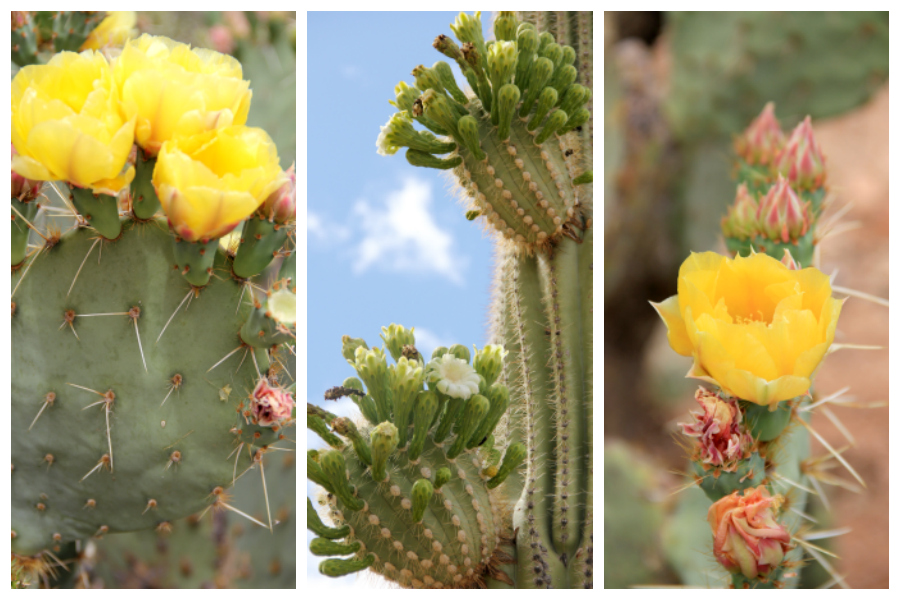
point(403, 235)
point(427, 341)
point(324, 231)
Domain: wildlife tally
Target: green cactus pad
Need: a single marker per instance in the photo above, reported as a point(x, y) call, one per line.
point(174, 452)
point(750, 473)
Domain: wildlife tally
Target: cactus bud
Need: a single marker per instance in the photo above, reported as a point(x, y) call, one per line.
point(514, 456)
point(441, 477)
point(502, 58)
point(270, 405)
point(489, 362)
point(335, 469)
point(498, 396)
point(467, 28)
point(371, 365)
point(406, 379)
point(468, 131)
point(439, 352)
point(315, 473)
point(384, 441)
point(576, 119)
point(563, 77)
point(438, 108)
point(473, 414)
point(746, 537)
point(505, 26)
point(453, 376)
point(315, 524)
point(723, 440)
point(397, 336)
point(526, 42)
point(349, 346)
point(556, 120)
point(569, 55)
point(445, 74)
point(761, 141)
point(422, 159)
point(781, 214)
point(505, 106)
point(346, 428)
point(788, 261)
point(336, 567)
point(553, 52)
point(801, 159)
point(538, 78)
point(281, 205)
point(460, 351)
point(324, 547)
point(23, 189)
point(422, 492)
point(546, 102)
point(446, 46)
point(740, 222)
point(424, 411)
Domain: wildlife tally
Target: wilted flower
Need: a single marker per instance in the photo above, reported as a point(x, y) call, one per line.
point(801, 159)
point(66, 124)
point(453, 376)
point(722, 439)
point(760, 142)
point(210, 182)
point(746, 537)
point(270, 405)
point(754, 327)
point(173, 90)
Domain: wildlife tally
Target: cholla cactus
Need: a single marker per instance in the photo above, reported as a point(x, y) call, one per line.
point(757, 327)
point(519, 144)
point(141, 392)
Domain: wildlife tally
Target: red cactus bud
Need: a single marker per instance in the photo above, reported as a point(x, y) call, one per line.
point(723, 441)
point(761, 141)
point(741, 221)
point(801, 160)
point(746, 537)
point(781, 214)
point(221, 38)
point(281, 205)
point(270, 405)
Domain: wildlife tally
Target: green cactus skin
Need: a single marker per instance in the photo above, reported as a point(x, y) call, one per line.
point(144, 201)
point(174, 452)
point(20, 229)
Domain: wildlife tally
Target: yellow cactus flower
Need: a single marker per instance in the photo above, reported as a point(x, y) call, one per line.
point(173, 90)
point(754, 327)
point(66, 125)
point(114, 30)
point(210, 182)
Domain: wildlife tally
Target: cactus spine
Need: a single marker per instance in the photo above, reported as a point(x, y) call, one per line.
point(516, 144)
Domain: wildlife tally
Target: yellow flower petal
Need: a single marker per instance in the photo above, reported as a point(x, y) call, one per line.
point(678, 338)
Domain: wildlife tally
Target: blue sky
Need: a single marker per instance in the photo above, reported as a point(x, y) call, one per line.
point(387, 242)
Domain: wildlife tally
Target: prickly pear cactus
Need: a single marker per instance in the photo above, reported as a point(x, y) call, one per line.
point(152, 355)
point(519, 143)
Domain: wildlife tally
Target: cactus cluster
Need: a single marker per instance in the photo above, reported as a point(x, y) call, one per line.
point(150, 372)
point(519, 144)
point(42, 33)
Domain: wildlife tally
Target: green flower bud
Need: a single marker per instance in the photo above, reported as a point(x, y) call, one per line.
point(578, 118)
point(336, 567)
point(568, 57)
point(556, 120)
point(470, 138)
point(397, 336)
point(439, 352)
point(502, 58)
point(454, 406)
point(505, 107)
point(441, 477)
point(335, 469)
point(438, 108)
point(349, 346)
point(554, 52)
point(514, 456)
point(477, 62)
point(371, 365)
point(423, 159)
point(422, 491)
point(562, 78)
point(316, 424)
point(505, 26)
point(498, 395)
point(489, 362)
point(424, 409)
point(573, 99)
point(445, 73)
point(383, 441)
point(346, 428)
point(467, 28)
point(586, 177)
point(527, 41)
point(540, 75)
point(314, 472)
point(545, 103)
point(545, 38)
point(323, 547)
point(427, 79)
point(474, 413)
point(460, 351)
point(314, 523)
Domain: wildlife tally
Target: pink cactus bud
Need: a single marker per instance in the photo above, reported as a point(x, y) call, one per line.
point(760, 143)
point(788, 261)
point(746, 537)
point(722, 440)
point(23, 189)
point(237, 21)
point(281, 205)
point(801, 160)
point(221, 39)
point(741, 221)
point(270, 405)
point(781, 214)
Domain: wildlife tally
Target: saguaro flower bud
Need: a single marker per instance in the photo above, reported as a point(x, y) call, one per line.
point(746, 537)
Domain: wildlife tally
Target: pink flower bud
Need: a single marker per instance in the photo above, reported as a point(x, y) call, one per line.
point(746, 537)
point(722, 439)
point(781, 214)
point(270, 405)
point(221, 38)
point(760, 143)
point(23, 189)
point(788, 261)
point(741, 220)
point(281, 205)
point(801, 159)
point(237, 21)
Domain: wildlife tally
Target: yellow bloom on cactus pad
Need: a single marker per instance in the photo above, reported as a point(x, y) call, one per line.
point(209, 183)
point(754, 327)
point(66, 124)
point(114, 30)
point(174, 90)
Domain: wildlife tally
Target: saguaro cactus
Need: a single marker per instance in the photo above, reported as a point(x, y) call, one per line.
point(519, 144)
